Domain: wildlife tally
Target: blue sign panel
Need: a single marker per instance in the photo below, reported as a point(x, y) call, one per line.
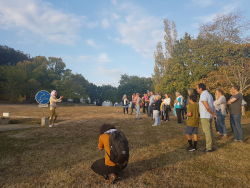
point(42, 97)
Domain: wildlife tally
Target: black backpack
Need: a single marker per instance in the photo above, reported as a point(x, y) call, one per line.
point(119, 150)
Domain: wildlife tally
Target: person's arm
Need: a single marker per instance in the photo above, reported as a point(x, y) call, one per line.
point(189, 113)
point(100, 144)
point(232, 100)
point(205, 103)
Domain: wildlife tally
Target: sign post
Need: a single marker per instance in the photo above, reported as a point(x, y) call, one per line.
point(42, 98)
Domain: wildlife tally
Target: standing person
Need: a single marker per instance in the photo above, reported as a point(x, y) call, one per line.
point(207, 112)
point(145, 102)
point(192, 123)
point(53, 100)
point(125, 104)
point(235, 103)
point(151, 102)
point(132, 103)
point(220, 107)
point(243, 107)
point(184, 108)
point(167, 105)
point(156, 110)
point(105, 166)
point(179, 106)
point(138, 105)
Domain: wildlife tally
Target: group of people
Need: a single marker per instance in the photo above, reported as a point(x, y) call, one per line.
point(196, 112)
point(152, 105)
point(199, 109)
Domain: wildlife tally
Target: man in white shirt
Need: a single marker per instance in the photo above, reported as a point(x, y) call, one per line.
point(207, 113)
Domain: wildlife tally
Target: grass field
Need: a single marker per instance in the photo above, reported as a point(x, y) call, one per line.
point(61, 156)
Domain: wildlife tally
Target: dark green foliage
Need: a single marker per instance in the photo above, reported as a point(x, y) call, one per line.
point(9, 56)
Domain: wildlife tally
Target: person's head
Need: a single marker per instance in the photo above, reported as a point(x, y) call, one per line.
point(158, 97)
point(53, 93)
point(145, 94)
point(190, 91)
point(234, 90)
point(166, 95)
point(137, 94)
point(193, 98)
point(124, 96)
point(177, 93)
point(201, 87)
point(219, 92)
point(105, 127)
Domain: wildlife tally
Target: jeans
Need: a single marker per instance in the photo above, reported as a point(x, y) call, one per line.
point(137, 107)
point(156, 117)
point(235, 122)
point(179, 114)
point(125, 109)
point(150, 111)
point(220, 123)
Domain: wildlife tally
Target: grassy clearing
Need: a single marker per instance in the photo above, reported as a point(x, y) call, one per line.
point(61, 156)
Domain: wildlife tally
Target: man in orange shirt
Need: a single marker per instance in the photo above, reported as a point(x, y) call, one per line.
point(105, 167)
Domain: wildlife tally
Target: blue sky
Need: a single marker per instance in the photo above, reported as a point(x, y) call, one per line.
point(102, 39)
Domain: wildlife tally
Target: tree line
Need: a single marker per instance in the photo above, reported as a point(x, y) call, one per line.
point(219, 56)
point(22, 76)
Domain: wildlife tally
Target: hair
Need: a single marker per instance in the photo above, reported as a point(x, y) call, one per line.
point(236, 87)
point(177, 92)
point(105, 127)
point(220, 90)
point(53, 93)
point(190, 91)
point(193, 98)
point(124, 96)
point(202, 86)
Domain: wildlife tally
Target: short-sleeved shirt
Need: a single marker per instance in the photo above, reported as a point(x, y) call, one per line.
point(104, 144)
point(194, 119)
point(179, 103)
point(235, 107)
point(151, 100)
point(206, 96)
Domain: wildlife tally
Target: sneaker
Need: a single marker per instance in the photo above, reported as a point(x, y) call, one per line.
point(189, 148)
point(50, 125)
point(154, 125)
point(192, 149)
point(112, 178)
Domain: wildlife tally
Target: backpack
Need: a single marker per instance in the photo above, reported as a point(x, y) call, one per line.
point(119, 150)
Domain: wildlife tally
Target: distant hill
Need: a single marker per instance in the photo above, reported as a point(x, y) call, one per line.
point(10, 56)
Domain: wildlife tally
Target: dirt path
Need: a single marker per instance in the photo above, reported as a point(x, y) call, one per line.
point(11, 127)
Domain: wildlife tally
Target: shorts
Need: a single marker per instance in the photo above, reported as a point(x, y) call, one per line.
point(189, 130)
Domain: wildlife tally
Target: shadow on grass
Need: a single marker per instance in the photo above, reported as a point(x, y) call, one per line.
point(180, 154)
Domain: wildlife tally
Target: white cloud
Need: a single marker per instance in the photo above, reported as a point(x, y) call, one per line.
point(105, 23)
point(137, 29)
point(203, 3)
point(40, 18)
point(103, 58)
point(110, 75)
point(226, 9)
point(91, 43)
point(99, 68)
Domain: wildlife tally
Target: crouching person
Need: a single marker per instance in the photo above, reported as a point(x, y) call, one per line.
point(115, 145)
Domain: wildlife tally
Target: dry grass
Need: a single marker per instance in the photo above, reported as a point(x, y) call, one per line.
point(61, 156)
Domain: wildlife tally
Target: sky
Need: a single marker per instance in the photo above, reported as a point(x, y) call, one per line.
point(102, 39)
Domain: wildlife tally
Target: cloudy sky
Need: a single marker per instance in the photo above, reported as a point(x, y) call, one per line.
point(103, 39)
